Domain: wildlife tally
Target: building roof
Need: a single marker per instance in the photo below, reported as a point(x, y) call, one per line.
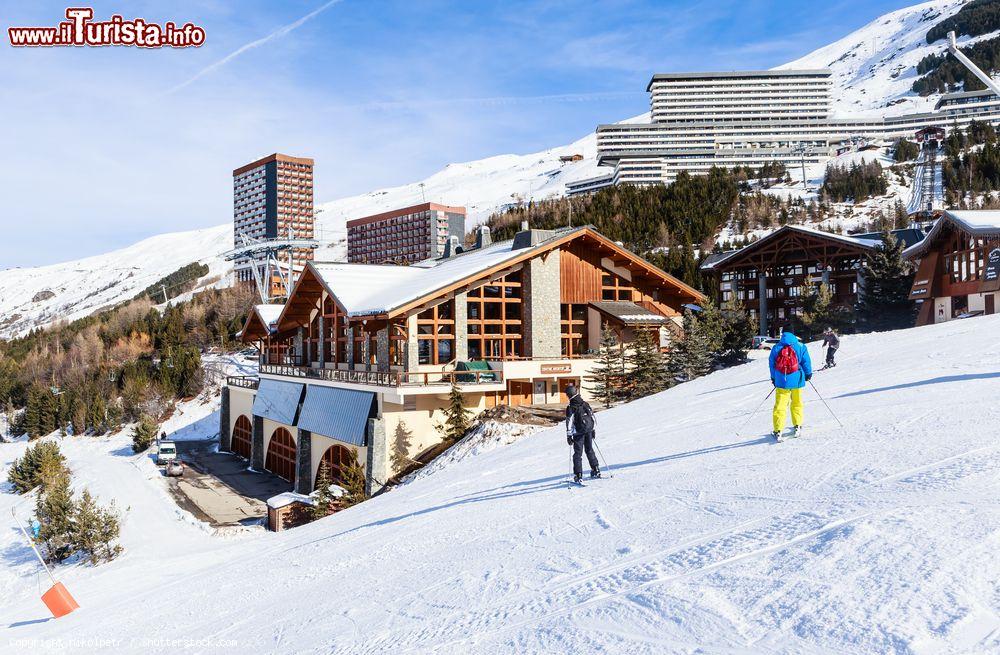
point(403, 211)
point(273, 157)
point(262, 319)
point(628, 312)
point(864, 241)
point(977, 222)
point(661, 77)
point(364, 290)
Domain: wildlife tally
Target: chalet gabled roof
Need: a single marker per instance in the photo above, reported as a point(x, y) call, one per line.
point(372, 290)
point(977, 222)
point(715, 261)
point(261, 319)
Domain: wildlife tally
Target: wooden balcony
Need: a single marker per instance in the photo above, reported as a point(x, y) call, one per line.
point(386, 378)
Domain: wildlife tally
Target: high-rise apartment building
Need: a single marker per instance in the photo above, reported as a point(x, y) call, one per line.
point(404, 236)
point(751, 119)
point(273, 199)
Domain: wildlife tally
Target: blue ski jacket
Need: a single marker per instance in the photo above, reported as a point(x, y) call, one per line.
point(795, 380)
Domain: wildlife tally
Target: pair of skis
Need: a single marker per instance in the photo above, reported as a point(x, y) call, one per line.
point(574, 483)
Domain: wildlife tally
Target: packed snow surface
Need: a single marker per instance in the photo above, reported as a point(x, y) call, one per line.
point(880, 537)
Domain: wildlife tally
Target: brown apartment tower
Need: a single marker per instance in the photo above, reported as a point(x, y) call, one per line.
point(273, 199)
point(404, 236)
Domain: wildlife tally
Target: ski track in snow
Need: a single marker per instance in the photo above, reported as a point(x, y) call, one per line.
point(878, 538)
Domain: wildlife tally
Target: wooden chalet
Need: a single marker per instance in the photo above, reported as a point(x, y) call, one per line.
point(958, 267)
point(770, 276)
point(362, 357)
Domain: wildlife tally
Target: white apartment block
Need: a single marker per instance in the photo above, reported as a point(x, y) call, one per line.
point(751, 118)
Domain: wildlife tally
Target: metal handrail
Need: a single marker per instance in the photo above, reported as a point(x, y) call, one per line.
point(385, 378)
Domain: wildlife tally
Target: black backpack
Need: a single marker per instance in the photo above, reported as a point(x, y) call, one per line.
point(583, 417)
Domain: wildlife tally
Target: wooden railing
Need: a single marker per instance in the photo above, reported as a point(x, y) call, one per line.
point(243, 381)
point(385, 378)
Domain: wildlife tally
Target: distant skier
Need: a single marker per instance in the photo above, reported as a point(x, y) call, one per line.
point(580, 433)
point(832, 343)
point(791, 368)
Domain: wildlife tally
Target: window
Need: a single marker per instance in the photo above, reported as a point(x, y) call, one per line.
point(494, 319)
point(436, 334)
point(614, 287)
point(574, 329)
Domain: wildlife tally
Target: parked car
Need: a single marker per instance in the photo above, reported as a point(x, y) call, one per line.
point(174, 468)
point(166, 451)
point(762, 342)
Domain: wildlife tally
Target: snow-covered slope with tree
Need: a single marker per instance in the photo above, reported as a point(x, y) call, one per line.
point(873, 67)
point(876, 538)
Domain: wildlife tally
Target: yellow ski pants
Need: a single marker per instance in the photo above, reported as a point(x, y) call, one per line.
point(781, 400)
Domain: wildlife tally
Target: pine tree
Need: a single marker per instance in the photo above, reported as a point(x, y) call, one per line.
point(55, 511)
point(40, 464)
point(646, 372)
point(692, 354)
point(819, 312)
point(457, 418)
point(324, 500)
point(353, 482)
point(402, 442)
point(143, 434)
point(884, 302)
point(606, 374)
point(86, 527)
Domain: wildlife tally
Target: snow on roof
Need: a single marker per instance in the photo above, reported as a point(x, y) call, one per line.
point(713, 260)
point(287, 498)
point(628, 312)
point(268, 313)
point(364, 289)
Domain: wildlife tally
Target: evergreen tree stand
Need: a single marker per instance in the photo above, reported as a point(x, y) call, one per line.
point(58, 599)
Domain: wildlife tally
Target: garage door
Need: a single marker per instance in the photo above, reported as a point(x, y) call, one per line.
point(281, 455)
point(242, 437)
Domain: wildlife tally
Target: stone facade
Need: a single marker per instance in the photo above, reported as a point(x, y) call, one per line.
point(378, 468)
point(382, 353)
point(542, 326)
point(461, 327)
point(257, 445)
point(350, 347)
point(225, 434)
point(412, 360)
point(303, 462)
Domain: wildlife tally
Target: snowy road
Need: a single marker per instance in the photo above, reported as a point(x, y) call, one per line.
point(879, 538)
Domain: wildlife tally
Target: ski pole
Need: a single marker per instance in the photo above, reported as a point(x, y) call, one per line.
point(825, 403)
point(606, 467)
point(739, 432)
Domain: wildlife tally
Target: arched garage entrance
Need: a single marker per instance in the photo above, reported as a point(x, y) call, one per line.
point(337, 458)
point(242, 437)
point(281, 455)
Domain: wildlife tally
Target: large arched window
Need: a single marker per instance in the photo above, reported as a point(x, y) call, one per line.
point(336, 458)
point(242, 437)
point(281, 455)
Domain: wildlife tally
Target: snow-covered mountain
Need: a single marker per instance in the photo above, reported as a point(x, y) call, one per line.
point(878, 537)
point(874, 68)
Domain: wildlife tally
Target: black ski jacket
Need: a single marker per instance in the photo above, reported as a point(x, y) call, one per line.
point(831, 340)
point(579, 416)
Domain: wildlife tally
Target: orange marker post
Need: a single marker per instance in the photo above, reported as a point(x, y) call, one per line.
point(58, 599)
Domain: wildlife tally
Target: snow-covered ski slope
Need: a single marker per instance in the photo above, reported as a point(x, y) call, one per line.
point(874, 68)
point(877, 538)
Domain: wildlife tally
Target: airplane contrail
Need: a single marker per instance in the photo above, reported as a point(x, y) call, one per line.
point(278, 33)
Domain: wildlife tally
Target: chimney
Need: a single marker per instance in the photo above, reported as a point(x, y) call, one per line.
point(483, 237)
point(451, 247)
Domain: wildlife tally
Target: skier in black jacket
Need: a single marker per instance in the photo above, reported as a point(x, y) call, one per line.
point(832, 343)
point(580, 433)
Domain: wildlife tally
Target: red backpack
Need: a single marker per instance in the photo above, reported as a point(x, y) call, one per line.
point(787, 361)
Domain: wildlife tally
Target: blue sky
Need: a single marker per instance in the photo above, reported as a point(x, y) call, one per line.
point(106, 146)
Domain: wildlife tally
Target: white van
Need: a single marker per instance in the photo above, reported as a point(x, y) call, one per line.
point(166, 451)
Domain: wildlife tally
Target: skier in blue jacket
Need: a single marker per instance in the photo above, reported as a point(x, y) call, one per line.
point(791, 368)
